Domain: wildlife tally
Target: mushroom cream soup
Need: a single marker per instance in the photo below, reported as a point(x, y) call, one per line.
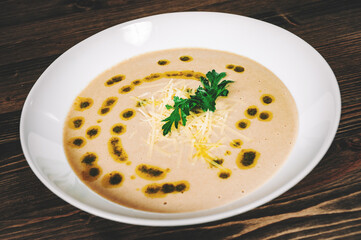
point(114, 141)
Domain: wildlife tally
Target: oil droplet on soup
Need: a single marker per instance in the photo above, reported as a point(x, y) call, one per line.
point(118, 129)
point(89, 159)
point(82, 103)
point(186, 58)
point(92, 132)
point(116, 150)
point(229, 66)
point(114, 80)
point(153, 77)
point(76, 122)
point(151, 172)
point(224, 174)
point(126, 89)
point(267, 99)
point(127, 114)
point(136, 82)
point(236, 143)
point(91, 174)
point(227, 153)
point(112, 180)
point(77, 142)
point(157, 190)
point(109, 102)
point(247, 158)
point(163, 62)
point(251, 112)
point(238, 69)
point(265, 116)
point(191, 74)
point(107, 105)
point(243, 124)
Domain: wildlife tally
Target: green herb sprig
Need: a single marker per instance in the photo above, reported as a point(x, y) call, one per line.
point(204, 98)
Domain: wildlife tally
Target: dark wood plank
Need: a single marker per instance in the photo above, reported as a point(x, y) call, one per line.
point(324, 205)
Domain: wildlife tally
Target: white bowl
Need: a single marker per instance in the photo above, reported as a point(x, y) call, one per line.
point(302, 69)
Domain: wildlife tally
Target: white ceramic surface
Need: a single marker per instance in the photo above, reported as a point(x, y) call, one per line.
point(306, 74)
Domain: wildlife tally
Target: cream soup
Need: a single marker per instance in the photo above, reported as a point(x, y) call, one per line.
point(113, 133)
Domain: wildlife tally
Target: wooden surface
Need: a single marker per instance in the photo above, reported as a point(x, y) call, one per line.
point(325, 205)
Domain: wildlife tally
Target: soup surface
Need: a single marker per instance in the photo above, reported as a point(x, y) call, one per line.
point(114, 141)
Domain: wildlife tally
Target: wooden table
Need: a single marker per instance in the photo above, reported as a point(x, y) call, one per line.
point(324, 205)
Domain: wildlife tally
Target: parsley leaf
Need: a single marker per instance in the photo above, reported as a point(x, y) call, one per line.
point(204, 98)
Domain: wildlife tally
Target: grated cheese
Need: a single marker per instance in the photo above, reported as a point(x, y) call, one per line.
point(197, 132)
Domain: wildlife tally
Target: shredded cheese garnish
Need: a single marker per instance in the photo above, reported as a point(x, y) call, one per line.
point(196, 133)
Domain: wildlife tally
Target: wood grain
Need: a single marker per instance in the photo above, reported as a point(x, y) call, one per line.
point(324, 205)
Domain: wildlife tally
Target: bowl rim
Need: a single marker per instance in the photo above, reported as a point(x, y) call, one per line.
point(184, 221)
